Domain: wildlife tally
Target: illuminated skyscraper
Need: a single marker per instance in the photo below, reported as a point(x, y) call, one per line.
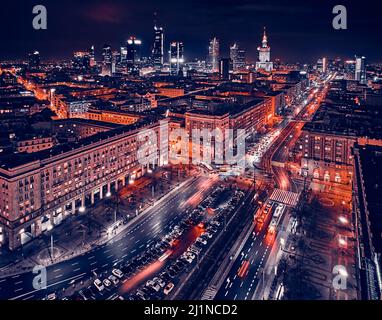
point(237, 56)
point(81, 60)
point(158, 47)
point(360, 69)
point(133, 50)
point(264, 55)
point(213, 55)
point(322, 65)
point(107, 60)
point(176, 57)
point(349, 67)
point(34, 60)
point(92, 57)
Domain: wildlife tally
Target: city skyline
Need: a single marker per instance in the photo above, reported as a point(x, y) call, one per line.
point(302, 33)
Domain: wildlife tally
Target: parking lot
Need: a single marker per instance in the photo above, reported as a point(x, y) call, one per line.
point(157, 271)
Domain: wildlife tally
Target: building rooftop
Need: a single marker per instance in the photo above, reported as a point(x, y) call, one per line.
point(16, 160)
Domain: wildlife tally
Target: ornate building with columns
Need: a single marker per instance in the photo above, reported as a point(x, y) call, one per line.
point(39, 190)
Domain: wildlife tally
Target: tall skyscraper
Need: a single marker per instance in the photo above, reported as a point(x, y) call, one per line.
point(322, 65)
point(176, 57)
point(107, 59)
point(360, 69)
point(349, 67)
point(133, 50)
point(123, 56)
point(158, 47)
point(224, 68)
point(237, 56)
point(213, 55)
point(264, 55)
point(92, 57)
point(34, 60)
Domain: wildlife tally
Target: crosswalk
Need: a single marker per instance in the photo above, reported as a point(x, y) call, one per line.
point(285, 197)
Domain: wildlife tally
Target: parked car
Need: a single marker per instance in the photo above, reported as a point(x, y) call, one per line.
point(107, 283)
point(118, 273)
point(113, 279)
point(98, 284)
point(168, 288)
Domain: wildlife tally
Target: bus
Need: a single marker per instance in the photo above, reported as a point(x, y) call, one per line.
point(276, 218)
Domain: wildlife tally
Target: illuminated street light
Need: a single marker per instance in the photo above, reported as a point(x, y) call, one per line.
point(108, 194)
point(343, 220)
point(81, 209)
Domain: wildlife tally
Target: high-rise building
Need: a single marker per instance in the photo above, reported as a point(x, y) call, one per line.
point(81, 60)
point(123, 56)
point(237, 56)
point(213, 55)
point(224, 68)
point(349, 67)
point(176, 57)
point(107, 59)
point(158, 47)
point(264, 62)
point(360, 69)
point(116, 58)
point(34, 60)
point(92, 57)
point(133, 50)
point(322, 65)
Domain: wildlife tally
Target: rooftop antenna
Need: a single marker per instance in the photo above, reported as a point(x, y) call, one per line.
point(155, 19)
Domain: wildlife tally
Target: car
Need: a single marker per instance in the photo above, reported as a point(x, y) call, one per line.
point(160, 281)
point(208, 235)
point(172, 274)
point(212, 229)
point(98, 284)
point(216, 223)
point(154, 286)
point(113, 279)
point(196, 250)
point(202, 241)
point(170, 286)
point(51, 296)
point(106, 282)
point(188, 259)
point(141, 295)
point(118, 273)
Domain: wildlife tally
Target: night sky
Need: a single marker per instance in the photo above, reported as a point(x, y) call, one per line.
point(299, 30)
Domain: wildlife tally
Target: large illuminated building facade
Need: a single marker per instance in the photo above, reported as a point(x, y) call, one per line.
point(176, 57)
point(213, 55)
point(158, 47)
point(40, 190)
point(264, 62)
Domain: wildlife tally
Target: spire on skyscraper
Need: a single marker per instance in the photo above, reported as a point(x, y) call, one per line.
point(265, 39)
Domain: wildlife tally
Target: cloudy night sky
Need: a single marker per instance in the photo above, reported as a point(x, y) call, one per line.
point(299, 30)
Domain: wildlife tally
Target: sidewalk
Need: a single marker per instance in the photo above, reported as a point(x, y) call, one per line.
point(78, 234)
